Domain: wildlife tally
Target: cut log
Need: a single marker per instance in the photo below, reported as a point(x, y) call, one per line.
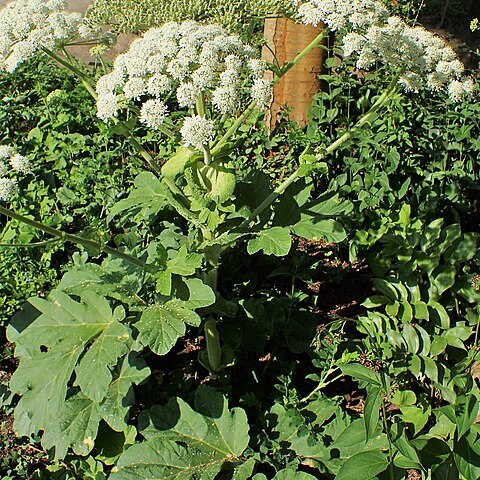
point(296, 89)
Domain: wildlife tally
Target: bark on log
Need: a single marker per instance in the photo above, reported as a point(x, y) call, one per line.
point(298, 86)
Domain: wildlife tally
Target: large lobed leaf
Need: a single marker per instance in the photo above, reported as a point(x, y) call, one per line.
point(185, 444)
point(64, 343)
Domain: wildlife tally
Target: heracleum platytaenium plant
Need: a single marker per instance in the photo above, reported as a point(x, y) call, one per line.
point(196, 85)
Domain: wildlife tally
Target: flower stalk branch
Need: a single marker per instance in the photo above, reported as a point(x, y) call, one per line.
point(68, 237)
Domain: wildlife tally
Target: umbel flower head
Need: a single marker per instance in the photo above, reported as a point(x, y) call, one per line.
point(371, 36)
point(11, 164)
point(189, 59)
point(28, 25)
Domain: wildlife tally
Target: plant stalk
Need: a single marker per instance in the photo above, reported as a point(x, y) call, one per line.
point(68, 237)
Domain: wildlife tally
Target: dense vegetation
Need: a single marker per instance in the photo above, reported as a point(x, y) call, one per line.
point(349, 321)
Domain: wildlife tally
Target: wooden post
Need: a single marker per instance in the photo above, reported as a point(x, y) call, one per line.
point(298, 86)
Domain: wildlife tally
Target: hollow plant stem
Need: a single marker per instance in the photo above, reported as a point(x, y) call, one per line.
point(68, 237)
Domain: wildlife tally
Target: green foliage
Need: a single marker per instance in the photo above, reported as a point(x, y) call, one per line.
point(356, 283)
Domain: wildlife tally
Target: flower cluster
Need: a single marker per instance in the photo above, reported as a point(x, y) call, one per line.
point(196, 62)
point(342, 14)
point(11, 163)
point(28, 25)
point(370, 34)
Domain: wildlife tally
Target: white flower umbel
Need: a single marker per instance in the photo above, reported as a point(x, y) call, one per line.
point(199, 62)
point(21, 164)
point(197, 131)
point(6, 152)
point(153, 113)
point(3, 169)
point(7, 189)
point(11, 164)
point(372, 36)
point(27, 26)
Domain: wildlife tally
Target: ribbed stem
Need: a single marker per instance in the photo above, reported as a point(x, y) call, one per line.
point(68, 237)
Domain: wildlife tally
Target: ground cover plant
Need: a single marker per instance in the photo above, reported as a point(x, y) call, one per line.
point(198, 326)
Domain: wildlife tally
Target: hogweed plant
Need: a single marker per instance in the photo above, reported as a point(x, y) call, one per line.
point(83, 348)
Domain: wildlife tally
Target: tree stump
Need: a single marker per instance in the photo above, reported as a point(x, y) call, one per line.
point(296, 89)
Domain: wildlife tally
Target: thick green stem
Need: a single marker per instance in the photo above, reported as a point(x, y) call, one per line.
point(68, 237)
point(233, 128)
point(380, 102)
point(66, 64)
point(214, 350)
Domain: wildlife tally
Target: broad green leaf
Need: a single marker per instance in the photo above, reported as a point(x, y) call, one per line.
point(147, 197)
point(109, 346)
point(184, 263)
point(464, 250)
point(290, 474)
point(293, 431)
point(401, 441)
point(114, 278)
point(160, 326)
point(364, 374)
point(199, 295)
point(404, 397)
point(214, 406)
point(212, 427)
point(50, 347)
point(120, 396)
point(75, 425)
point(439, 315)
point(467, 456)
point(185, 444)
point(444, 278)
point(316, 229)
point(411, 338)
point(245, 470)
point(456, 336)
point(363, 466)
point(165, 459)
point(328, 204)
point(273, 241)
point(373, 403)
point(466, 411)
point(416, 416)
point(176, 164)
point(353, 439)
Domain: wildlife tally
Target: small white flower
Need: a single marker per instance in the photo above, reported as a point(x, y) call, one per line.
point(8, 188)
point(189, 58)
point(261, 92)
point(3, 169)
point(107, 106)
point(158, 85)
point(21, 164)
point(197, 131)
point(134, 88)
point(187, 94)
point(257, 67)
point(153, 113)
point(225, 99)
point(373, 36)
point(459, 89)
point(6, 151)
